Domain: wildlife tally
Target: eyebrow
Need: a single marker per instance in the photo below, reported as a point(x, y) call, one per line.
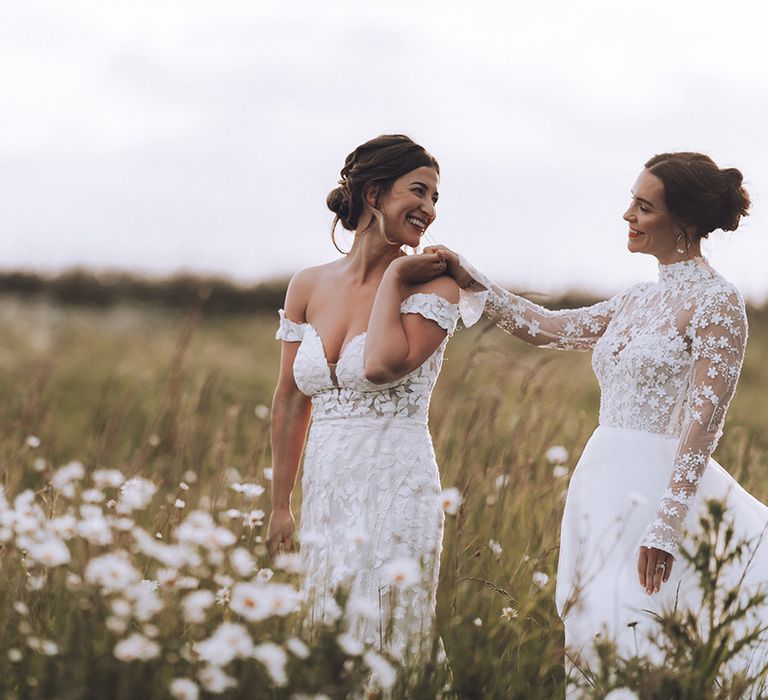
point(643, 200)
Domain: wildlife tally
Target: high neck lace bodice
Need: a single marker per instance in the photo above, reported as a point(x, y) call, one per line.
point(686, 272)
point(667, 355)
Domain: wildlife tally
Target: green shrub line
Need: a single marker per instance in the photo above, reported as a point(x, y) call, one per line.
point(83, 287)
point(211, 294)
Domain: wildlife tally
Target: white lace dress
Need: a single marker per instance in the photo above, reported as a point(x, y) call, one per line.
point(371, 515)
point(667, 356)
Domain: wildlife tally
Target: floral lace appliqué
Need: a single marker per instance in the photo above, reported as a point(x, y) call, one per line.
point(371, 488)
point(344, 392)
point(667, 356)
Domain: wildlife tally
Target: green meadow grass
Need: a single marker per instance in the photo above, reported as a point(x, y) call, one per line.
point(161, 393)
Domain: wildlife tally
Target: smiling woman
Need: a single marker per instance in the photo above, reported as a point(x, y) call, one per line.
point(371, 172)
point(678, 200)
point(363, 342)
point(667, 355)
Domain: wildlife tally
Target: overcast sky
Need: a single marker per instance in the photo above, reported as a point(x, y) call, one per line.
point(163, 136)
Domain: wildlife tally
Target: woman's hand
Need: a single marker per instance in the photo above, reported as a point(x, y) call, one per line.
point(418, 268)
point(451, 259)
point(280, 531)
point(653, 568)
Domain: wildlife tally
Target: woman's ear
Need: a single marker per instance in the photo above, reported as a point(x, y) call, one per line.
point(372, 194)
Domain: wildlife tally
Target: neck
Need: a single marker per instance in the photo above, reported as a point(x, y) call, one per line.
point(673, 256)
point(370, 255)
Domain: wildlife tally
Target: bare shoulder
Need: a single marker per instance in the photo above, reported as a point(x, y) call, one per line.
point(301, 288)
point(443, 286)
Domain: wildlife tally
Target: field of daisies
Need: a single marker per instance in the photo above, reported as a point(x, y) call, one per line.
point(134, 494)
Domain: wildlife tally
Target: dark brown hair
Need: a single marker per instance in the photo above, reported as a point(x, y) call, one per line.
point(699, 194)
point(376, 163)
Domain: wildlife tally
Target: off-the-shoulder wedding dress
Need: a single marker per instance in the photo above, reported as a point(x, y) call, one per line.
point(667, 356)
point(371, 496)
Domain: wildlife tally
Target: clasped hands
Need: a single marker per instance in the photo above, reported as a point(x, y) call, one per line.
point(433, 262)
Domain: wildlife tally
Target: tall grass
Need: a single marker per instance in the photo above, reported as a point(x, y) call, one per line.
point(179, 398)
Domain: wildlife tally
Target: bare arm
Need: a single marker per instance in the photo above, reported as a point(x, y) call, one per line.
point(291, 411)
point(290, 419)
point(397, 344)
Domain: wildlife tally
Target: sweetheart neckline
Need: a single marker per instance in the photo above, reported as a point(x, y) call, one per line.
point(344, 347)
point(333, 365)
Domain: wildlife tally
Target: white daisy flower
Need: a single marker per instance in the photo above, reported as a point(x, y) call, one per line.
point(215, 681)
point(451, 500)
point(195, 605)
point(49, 552)
point(274, 659)
point(248, 490)
point(350, 644)
point(557, 454)
point(135, 494)
point(621, 694)
point(297, 648)
point(184, 689)
point(136, 647)
point(401, 572)
point(242, 561)
point(383, 673)
point(229, 641)
point(560, 471)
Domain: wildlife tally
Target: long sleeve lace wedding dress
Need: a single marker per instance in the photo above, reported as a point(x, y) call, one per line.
point(371, 515)
point(667, 356)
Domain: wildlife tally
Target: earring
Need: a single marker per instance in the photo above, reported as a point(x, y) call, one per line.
point(333, 236)
point(679, 249)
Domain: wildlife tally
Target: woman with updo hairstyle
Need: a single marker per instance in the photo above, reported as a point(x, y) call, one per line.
point(375, 165)
point(363, 341)
point(667, 355)
point(699, 194)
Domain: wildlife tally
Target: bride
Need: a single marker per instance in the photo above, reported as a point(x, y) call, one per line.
point(667, 355)
point(363, 343)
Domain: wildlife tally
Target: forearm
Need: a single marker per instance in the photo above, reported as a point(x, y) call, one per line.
point(567, 329)
point(522, 318)
point(290, 419)
point(386, 343)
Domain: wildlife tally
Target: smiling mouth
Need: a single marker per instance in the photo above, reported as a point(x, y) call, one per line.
point(417, 223)
point(634, 233)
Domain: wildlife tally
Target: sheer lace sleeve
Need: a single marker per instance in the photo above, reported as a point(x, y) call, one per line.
point(718, 335)
point(568, 329)
point(289, 330)
point(434, 307)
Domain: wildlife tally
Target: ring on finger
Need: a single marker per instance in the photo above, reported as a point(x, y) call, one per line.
point(661, 565)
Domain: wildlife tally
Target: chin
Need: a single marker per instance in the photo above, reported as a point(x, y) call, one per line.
point(632, 247)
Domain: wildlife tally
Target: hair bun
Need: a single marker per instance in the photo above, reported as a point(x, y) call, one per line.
point(734, 201)
point(339, 201)
point(698, 193)
point(733, 176)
